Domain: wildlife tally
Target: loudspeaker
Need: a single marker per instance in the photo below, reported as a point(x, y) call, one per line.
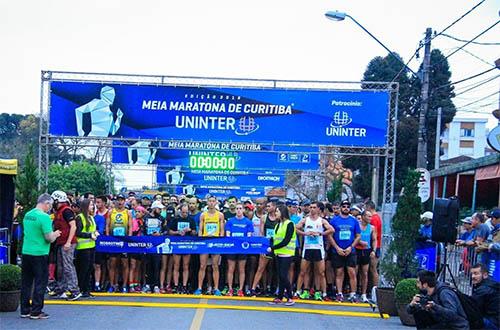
point(445, 219)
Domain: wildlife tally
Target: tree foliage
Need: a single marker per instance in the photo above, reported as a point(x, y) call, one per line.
point(27, 191)
point(399, 261)
point(409, 101)
point(78, 177)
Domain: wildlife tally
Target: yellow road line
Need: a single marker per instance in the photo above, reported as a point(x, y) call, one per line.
point(207, 306)
point(198, 316)
point(192, 296)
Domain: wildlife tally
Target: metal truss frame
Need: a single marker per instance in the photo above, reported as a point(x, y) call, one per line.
point(46, 139)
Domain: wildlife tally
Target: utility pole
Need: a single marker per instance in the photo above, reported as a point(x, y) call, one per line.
point(422, 140)
point(436, 151)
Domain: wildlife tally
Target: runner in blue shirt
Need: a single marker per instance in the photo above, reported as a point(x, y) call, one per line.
point(238, 226)
point(346, 236)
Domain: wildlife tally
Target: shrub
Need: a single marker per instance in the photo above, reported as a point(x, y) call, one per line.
point(10, 278)
point(405, 290)
point(399, 261)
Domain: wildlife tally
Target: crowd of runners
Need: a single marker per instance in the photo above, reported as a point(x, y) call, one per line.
point(321, 251)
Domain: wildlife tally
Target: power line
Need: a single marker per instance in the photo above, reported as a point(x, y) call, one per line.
point(406, 65)
point(465, 79)
point(468, 42)
point(472, 42)
point(477, 85)
point(481, 99)
point(477, 57)
point(458, 19)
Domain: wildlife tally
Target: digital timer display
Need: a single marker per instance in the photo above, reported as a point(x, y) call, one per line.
point(207, 162)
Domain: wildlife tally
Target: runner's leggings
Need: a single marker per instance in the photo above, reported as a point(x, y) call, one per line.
point(283, 266)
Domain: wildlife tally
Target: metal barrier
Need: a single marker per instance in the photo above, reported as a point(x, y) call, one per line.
point(460, 259)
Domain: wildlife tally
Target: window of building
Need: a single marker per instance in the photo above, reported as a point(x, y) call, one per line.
point(466, 144)
point(467, 132)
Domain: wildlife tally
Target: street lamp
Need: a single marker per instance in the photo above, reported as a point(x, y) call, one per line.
point(340, 16)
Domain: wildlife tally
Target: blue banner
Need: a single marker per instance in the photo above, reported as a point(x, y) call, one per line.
point(426, 255)
point(249, 115)
point(182, 245)
point(215, 178)
point(276, 158)
point(221, 191)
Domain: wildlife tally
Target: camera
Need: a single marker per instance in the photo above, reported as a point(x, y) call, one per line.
point(424, 298)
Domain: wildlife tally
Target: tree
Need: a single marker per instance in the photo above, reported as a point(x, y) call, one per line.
point(440, 95)
point(399, 261)
point(27, 191)
point(78, 177)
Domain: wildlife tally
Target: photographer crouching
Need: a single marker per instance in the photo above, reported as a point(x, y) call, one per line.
point(436, 306)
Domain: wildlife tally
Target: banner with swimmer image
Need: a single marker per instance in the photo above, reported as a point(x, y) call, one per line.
point(219, 114)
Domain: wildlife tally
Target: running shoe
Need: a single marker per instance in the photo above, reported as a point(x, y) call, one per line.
point(169, 289)
point(317, 296)
point(198, 292)
point(111, 289)
point(39, 316)
point(339, 297)
point(289, 302)
point(64, 295)
point(296, 295)
point(156, 289)
point(146, 289)
point(97, 288)
point(24, 316)
point(230, 293)
point(217, 292)
point(275, 301)
point(87, 295)
point(327, 298)
point(305, 295)
point(53, 293)
point(74, 296)
point(252, 293)
point(225, 290)
point(124, 289)
point(352, 298)
point(268, 292)
point(240, 293)
point(364, 299)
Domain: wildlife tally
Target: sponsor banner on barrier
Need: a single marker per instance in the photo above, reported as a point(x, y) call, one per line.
point(222, 192)
point(201, 113)
point(182, 245)
point(276, 158)
point(426, 255)
point(177, 177)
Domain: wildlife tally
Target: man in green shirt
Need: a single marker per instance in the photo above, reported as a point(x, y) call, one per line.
point(38, 235)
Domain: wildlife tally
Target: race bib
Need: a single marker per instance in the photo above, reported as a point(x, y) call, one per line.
point(119, 231)
point(345, 235)
point(237, 235)
point(211, 229)
point(269, 233)
point(312, 239)
point(182, 225)
point(153, 226)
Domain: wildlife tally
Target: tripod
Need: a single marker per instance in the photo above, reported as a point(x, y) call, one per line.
point(445, 266)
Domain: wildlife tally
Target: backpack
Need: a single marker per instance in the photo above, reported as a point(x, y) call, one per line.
point(470, 307)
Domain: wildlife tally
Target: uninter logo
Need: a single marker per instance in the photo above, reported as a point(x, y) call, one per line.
point(347, 103)
point(338, 127)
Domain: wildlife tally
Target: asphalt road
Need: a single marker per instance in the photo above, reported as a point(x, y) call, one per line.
point(119, 312)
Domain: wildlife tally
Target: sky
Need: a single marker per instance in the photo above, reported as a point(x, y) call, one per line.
point(269, 39)
point(266, 39)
